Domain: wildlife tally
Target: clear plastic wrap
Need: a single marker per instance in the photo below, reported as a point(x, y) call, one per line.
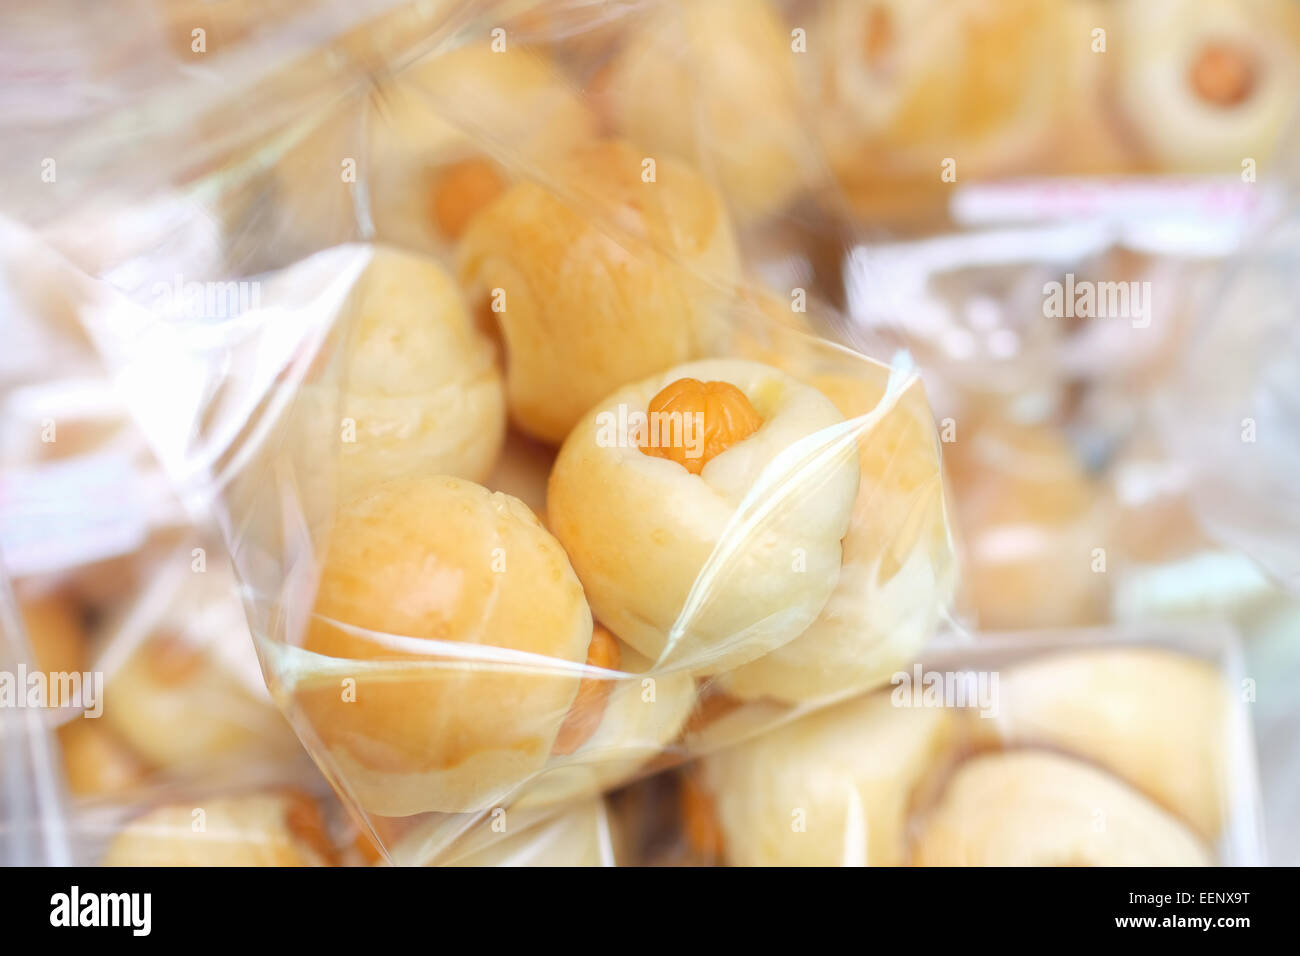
point(444, 653)
point(1103, 748)
point(500, 340)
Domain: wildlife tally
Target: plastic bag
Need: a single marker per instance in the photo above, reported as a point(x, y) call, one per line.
point(1127, 747)
point(431, 642)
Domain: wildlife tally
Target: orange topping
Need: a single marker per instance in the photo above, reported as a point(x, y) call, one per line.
point(1223, 75)
point(691, 422)
point(593, 693)
point(461, 190)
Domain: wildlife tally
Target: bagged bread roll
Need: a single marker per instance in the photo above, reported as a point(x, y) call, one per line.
point(1204, 85)
point(421, 392)
point(428, 147)
point(714, 80)
point(1155, 718)
point(176, 705)
point(832, 788)
point(904, 87)
point(597, 279)
point(275, 828)
point(1043, 809)
point(445, 650)
point(898, 569)
point(703, 510)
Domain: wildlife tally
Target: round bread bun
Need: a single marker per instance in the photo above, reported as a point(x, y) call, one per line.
point(438, 127)
point(278, 828)
point(427, 582)
point(662, 551)
point(1153, 717)
point(427, 148)
point(644, 712)
point(1207, 84)
point(904, 85)
point(898, 570)
point(176, 705)
point(595, 279)
point(715, 80)
point(1043, 809)
point(421, 389)
point(831, 788)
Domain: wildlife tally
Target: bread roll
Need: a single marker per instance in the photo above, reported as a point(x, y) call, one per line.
point(904, 85)
point(599, 279)
point(426, 582)
point(1206, 84)
point(422, 393)
point(898, 568)
point(1043, 809)
point(831, 788)
point(710, 569)
point(1155, 718)
point(427, 148)
point(714, 81)
point(277, 828)
point(175, 704)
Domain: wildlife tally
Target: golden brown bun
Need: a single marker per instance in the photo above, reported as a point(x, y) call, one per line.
point(421, 384)
point(593, 298)
point(898, 570)
point(433, 567)
point(497, 114)
point(831, 788)
point(280, 828)
point(903, 85)
point(176, 705)
point(1206, 84)
point(714, 81)
point(642, 529)
point(1042, 809)
point(414, 140)
point(1156, 718)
